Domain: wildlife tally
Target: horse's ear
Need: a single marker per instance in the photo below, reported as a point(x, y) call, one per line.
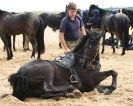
point(66, 8)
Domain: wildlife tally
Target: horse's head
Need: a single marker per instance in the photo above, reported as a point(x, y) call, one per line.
point(93, 7)
point(91, 49)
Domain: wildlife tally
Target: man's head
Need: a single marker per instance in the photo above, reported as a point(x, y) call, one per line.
point(72, 10)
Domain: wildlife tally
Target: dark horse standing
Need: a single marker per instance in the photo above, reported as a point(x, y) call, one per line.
point(46, 79)
point(23, 23)
point(117, 24)
point(53, 20)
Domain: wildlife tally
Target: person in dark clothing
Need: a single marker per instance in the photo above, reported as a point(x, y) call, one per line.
point(71, 27)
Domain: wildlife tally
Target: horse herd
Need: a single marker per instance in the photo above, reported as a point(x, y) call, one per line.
point(46, 79)
point(33, 26)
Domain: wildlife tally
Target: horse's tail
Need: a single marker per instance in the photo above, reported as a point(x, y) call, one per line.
point(40, 38)
point(126, 31)
point(44, 17)
point(19, 84)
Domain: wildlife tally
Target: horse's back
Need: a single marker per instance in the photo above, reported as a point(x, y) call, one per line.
point(19, 23)
point(52, 19)
point(36, 69)
point(115, 22)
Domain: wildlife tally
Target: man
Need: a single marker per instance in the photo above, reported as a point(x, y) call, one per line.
point(70, 28)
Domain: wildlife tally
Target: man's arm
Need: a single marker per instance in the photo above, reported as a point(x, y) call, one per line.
point(83, 32)
point(63, 43)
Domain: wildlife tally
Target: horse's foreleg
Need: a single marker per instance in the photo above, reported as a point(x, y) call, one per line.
point(10, 46)
point(98, 77)
point(103, 42)
point(112, 36)
point(14, 38)
point(5, 41)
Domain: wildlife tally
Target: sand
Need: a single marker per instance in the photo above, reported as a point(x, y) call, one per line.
point(123, 65)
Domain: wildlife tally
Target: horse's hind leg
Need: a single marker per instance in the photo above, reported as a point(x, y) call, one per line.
point(51, 95)
point(10, 46)
point(48, 87)
point(25, 42)
point(98, 77)
point(14, 38)
point(113, 43)
point(53, 91)
point(103, 42)
point(34, 45)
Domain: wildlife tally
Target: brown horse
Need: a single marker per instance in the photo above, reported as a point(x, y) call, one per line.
point(22, 23)
point(47, 79)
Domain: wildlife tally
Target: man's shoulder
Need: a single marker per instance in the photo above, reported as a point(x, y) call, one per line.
point(78, 16)
point(65, 19)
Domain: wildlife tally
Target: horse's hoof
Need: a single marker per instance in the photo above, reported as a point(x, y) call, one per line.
point(32, 56)
point(9, 58)
point(123, 54)
point(77, 93)
point(38, 58)
point(70, 95)
point(107, 91)
point(26, 50)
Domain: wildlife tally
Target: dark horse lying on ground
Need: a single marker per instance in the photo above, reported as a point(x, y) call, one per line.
point(23, 23)
point(117, 24)
point(47, 79)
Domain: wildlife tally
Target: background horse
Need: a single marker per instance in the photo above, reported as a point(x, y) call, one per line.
point(117, 24)
point(46, 79)
point(23, 23)
point(52, 20)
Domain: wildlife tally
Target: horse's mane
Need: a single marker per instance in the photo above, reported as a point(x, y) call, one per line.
point(81, 44)
point(2, 13)
point(62, 13)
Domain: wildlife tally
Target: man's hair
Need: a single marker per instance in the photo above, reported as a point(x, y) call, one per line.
point(72, 6)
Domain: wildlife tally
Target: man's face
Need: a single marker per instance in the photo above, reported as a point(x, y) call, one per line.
point(72, 13)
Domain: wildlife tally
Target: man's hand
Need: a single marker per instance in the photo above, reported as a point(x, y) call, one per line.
point(67, 51)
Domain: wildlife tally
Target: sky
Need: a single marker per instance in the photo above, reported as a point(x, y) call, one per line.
point(58, 5)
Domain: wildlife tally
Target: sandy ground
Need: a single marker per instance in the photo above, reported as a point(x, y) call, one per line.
point(122, 96)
